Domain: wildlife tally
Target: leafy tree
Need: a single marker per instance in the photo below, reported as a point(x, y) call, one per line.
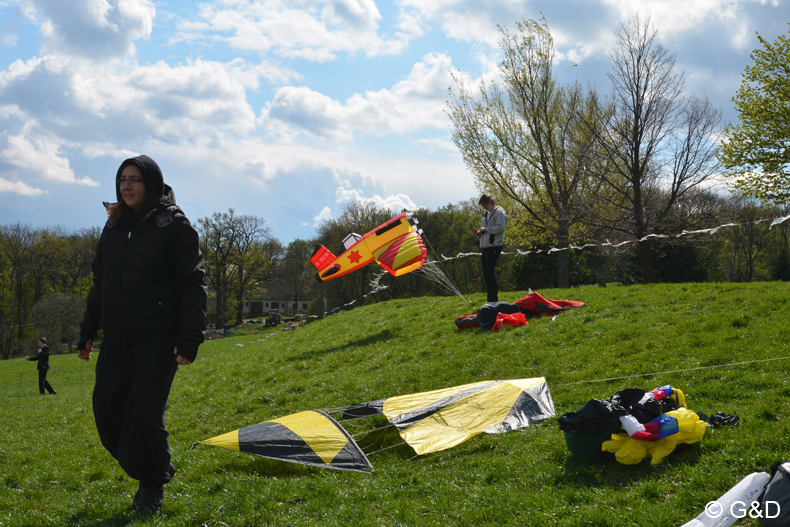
point(757, 150)
point(524, 140)
point(739, 248)
point(659, 146)
point(296, 269)
point(18, 241)
point(58, 316)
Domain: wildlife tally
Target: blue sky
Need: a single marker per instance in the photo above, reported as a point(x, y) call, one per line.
point(289, 110)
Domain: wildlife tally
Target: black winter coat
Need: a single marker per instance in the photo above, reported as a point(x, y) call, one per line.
point(42, 357)
point(148, 279)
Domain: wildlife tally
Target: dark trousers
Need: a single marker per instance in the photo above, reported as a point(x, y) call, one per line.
point(133, 382)
point(490, 257)
point(43, 384)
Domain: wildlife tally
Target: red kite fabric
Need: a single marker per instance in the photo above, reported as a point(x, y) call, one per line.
point(501, 314)
point(535, 304)
point(502, 319)
point(515, 320)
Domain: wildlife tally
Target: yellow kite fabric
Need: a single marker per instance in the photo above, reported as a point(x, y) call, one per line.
point(441, 419)
point(631, 451)
point(309, 438)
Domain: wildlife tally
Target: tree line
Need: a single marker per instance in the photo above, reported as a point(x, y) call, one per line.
point(45, 274)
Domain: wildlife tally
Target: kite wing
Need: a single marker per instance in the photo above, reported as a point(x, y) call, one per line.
point(395, 245)
point(535, 304)
point(441, 419)
point(309, 438)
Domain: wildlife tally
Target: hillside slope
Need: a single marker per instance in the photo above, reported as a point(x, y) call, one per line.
point(53, 471)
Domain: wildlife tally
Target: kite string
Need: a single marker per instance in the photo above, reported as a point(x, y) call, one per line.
point(441, 274)
point(670, 371)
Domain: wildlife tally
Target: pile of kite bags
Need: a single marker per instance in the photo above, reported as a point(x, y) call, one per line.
point(633, 424)
point(497, 315)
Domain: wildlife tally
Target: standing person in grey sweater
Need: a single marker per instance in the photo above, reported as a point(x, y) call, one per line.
point(492, 237)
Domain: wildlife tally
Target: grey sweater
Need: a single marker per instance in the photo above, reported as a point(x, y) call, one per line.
point(495, 223)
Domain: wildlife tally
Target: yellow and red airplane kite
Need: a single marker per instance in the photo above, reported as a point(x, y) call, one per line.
point(395, 245)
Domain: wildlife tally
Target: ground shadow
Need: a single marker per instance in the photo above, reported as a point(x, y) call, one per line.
point(609, 473)
point(381, 336)
point(118, 519)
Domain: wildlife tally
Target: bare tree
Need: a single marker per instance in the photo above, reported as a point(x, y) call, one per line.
point(255, 256)
point(659, 146)
point(239, 253)
point(524, 140)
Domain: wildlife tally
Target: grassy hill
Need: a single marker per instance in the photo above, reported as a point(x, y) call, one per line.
point(54, 472)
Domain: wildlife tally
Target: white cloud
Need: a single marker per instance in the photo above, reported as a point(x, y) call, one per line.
point(123, 101)
point(19, 187)
point(307, 29)
point(98, 29)
point(41, 155)
point(394, 203)
point(325, 214)
point(416, 102)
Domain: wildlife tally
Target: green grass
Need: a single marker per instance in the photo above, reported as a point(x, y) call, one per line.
point(54, 472)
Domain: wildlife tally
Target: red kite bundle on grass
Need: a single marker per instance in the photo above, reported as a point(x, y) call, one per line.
point(501, 314)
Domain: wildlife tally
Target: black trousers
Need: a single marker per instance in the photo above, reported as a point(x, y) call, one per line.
point(43, 383)
point(490, 257)
point(133, 382)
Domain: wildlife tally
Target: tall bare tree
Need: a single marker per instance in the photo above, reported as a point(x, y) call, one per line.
point(659, 145)
point(255, 256)
point(239, 253)
point(524, 139)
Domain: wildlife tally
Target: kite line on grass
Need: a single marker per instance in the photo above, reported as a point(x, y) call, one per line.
point(672, 371)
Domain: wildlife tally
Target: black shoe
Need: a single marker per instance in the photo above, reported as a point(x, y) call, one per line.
point(148, 500)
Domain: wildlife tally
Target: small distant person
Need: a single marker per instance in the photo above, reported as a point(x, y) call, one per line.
point(43, 366)
point(149, 296)
point(492, 237)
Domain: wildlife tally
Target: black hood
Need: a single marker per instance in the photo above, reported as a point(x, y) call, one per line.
point(157, 192)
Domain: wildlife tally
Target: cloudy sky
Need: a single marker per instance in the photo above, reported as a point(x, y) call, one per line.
point(287, 110)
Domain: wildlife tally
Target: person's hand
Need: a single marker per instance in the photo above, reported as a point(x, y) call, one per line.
point(183, 361)
point(27, 357)
point(86, 353)
point(475, 230)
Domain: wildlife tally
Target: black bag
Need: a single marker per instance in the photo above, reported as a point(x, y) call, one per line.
point(775, 501)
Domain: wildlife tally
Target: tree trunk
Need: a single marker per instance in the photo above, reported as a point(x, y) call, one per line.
point(563, 273)
point(647, 262)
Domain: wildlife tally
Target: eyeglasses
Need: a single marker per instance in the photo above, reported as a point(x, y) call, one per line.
point(132, 181)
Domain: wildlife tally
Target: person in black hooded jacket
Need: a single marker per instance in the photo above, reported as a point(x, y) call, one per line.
point(149, 296)
point(43, 366)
